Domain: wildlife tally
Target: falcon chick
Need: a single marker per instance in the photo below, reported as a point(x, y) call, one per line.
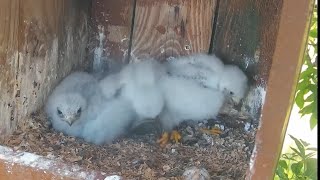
point(138, 83)
point(113, 121)
point(71, 103)
point(196, 88)
point(209, 70)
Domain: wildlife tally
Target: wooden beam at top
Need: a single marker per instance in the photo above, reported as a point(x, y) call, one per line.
point(171, 28)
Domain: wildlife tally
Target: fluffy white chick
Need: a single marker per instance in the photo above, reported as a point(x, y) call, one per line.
point(209, 70)
point(110, 85)
point(233, 82)
point(71, 102)
point(187, 100)
point(139, 82)
point(113, 121)
point(197, 67)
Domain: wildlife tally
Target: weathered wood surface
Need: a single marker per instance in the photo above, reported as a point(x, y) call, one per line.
point(171, 28)
point(245, 35)
point(28, 166)
point(111, 32)
point(40, 42)
point(9, 22)
point(282, 80)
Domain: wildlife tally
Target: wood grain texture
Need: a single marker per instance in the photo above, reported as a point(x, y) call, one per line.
point(112, 18)
point(246, 33)
point(171, 28)
point(9, 22)
point(287, 60)
point(44, 41)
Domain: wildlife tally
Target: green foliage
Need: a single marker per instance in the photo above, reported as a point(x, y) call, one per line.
point(306, 95)
point(299, 164)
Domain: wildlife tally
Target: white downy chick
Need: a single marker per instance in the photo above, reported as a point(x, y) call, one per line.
point(209, 70)
point(110, 85)
point(197, 67)
point(72, 101)
point(139, 82)
point(233, 82)
point(187, 100)
point(113, 121)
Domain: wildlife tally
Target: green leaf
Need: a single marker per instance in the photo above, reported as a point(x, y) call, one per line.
point(310, 98)
point(309, 155)
point(313, 121)
point(296, 151)
point(280, 172)
point(296, 167)
point(299, 99)
point(313, 33)
point(299, 145)
point(312, 149)
point(309, 71)
point(292, 158)
point(304, 143)
point(312, 168)
point(283, 164)
point(307, 109)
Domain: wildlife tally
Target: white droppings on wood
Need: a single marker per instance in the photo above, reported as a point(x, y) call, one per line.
point(114, 177)
point(11, 157)
point(98, 51)
point(255, 101)
point(252, 161)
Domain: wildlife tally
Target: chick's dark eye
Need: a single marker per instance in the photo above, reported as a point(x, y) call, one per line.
point(59, 112)
point(231, 93)
point(79, 111)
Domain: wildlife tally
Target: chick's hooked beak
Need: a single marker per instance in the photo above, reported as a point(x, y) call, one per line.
point(70, 120)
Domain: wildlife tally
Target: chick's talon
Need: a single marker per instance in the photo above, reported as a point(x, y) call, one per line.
point(164, 139)
point(175, 136)
point(213, 131)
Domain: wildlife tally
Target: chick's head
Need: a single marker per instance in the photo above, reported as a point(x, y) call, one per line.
point(234, 82)
point(70, 107)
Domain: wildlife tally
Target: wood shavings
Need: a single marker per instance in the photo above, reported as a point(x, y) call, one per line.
point(139, 156)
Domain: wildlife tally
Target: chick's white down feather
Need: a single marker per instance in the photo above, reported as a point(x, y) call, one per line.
point(139, 85)
point(112, 122)
point(210, 71)
point(196, 88)
point(100, 120)
point(187, 100)
point(72, 102)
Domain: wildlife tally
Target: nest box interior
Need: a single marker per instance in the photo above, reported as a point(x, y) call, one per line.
point(41, 42)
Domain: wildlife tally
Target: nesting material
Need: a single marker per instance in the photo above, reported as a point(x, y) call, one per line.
point(139, 156)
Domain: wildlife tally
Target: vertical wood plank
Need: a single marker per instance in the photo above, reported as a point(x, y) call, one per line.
point(287, 60)
point(171, 28)
point(9, 22)
point(111, 23)
point(246, 34)
point(51, 39)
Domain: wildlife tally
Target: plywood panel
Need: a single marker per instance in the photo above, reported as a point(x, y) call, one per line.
point(171, 28)
point(49, 42)
point(111, 25)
